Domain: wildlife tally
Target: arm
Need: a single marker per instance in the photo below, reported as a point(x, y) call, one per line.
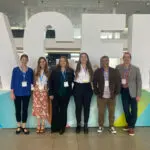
point(73, 76)
point(32, 78)
point(13, 79)
point(50, 84)
point(117, 67)
point(72, 80)
point(12, 95)
point(118, 82)
point(95, 83)
point(138, 83)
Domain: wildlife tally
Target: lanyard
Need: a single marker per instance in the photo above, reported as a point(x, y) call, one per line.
point(64, 74)
point(126, 72)
point(24, 75)
point(41, 77)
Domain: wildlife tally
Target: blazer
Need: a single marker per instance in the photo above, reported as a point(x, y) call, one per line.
point(54, 82)
point(134, 80)
point(99, 81)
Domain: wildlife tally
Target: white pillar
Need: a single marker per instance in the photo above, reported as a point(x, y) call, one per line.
point(26, 14)
point(114, 10)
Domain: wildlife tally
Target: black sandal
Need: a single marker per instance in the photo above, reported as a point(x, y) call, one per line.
point(18, 130)
point(25, 131)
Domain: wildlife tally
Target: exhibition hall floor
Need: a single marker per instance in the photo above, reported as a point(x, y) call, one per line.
point(72, 141)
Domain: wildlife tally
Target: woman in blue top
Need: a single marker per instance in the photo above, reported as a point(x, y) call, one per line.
point(21, 82)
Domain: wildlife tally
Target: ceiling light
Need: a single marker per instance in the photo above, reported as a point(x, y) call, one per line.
point(22, 2)
point(75, 54)
point(147, 3)
point(116, 3)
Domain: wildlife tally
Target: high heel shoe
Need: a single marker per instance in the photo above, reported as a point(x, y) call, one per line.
point(86, 130)
point(25, 131)
point(62, 131)
point(78, 129)
point(38, 129)
point(42, 130)
point(18, 130)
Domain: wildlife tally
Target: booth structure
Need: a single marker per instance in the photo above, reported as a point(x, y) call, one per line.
point(7, 112)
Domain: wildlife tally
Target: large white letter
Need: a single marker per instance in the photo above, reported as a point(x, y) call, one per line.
point(92, 26)
point(139, 45)
point(36, 30)
point(8, 56)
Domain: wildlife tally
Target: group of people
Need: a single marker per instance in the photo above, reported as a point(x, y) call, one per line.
point(57, 86)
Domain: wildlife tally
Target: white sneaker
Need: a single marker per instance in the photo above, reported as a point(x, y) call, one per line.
point(112, 130)
point(100, 130)
point(126, 128)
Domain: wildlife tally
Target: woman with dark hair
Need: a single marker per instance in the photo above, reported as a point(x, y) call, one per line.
point(22, 79)
point(40, 94)
point(60, 90)
point(83, 90)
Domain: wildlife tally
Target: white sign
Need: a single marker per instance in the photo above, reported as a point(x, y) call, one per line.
point(92, 25)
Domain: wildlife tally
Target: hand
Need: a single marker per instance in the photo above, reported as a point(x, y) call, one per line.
point(45, 88)
point(12, 95)
point(138, 98)
point(32, 87)
point(51, 97)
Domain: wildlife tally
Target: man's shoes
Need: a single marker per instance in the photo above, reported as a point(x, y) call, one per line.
point(100, 129)
point(126, 128)
point(131, 132)
point(112, 130)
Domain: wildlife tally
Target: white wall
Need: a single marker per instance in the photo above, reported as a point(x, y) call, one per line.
point(52, 44)
point(92, 25)
point(8, 55)
point(139, 45)
point(35, 32)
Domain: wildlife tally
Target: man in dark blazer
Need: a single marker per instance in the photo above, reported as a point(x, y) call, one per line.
point(106, 85)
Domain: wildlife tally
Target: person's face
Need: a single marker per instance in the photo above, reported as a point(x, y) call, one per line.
point(105, 62)
point(62, 62)
point(42, 63)
point(127, 59)
point(24, 61)
point(84, 59)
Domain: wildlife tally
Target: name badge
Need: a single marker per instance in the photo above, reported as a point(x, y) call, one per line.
point(24, 84)
point(106, 83)
point(66, 84)
point(124, 81)
point(85, 81)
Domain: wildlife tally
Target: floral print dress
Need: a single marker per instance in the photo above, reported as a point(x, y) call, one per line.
point(40, 98)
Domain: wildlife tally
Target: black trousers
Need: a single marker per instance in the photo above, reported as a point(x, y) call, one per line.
point(130, 107)
point(21, 106)
point(59, 112)
point(82, 96)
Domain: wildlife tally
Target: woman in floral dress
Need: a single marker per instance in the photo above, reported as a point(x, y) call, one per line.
point(40, 94)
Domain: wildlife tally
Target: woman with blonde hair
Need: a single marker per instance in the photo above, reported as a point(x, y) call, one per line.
point(40, 94)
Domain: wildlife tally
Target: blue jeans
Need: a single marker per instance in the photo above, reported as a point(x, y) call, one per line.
point(129, 107)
